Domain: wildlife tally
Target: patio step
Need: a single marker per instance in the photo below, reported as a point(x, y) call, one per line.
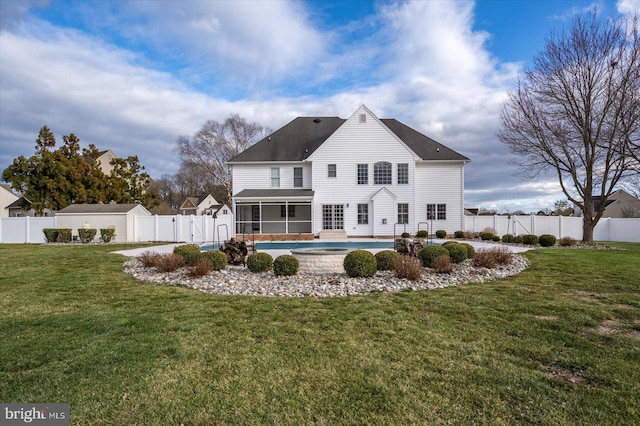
point(333, 235)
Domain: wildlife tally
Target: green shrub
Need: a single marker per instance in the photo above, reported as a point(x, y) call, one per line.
point(496, 238)
point(405, 235)
point(286, 265)
point(457, 252)
point(530, 239)
point(217, 259)
point(421, 233)
point(64, 235)
point(427, 254)
point(448, 243)
point(407, 267)
point(107, 234)
point(189, 252)
point(486, 236)
point(567, 241)
point(471, 251)
point(259, 262)
point(360, 263)
point(86, 235)
point(547, 240)
point(458, 234)
point(385, 259)
point(50, 234)
point(507, 238)
point(441, 233)
point(518, 239)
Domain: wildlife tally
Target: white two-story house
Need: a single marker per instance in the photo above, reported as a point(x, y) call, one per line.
point(361, 176)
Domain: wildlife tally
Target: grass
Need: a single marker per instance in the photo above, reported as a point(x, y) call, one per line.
point(558, 344)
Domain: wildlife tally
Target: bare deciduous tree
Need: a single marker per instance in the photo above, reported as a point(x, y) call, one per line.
point(216, 143)
point(577, 112)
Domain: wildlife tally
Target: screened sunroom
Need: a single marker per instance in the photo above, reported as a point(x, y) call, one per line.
point(274, 211)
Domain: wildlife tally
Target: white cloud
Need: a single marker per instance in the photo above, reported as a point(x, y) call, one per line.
point(628, 7)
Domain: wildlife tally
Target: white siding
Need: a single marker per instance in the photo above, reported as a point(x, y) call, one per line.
point(96, 221)
point(258, 176)
point(359, 143)
point(440, 183)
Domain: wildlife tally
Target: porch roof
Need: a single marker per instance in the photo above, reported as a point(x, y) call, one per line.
point(274, 194)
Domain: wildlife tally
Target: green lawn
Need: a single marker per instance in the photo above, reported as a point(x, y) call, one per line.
point(559, 344)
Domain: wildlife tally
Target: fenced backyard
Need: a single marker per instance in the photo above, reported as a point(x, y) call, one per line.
point(206, 228)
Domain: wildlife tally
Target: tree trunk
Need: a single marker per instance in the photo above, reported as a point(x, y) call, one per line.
point(587, 229)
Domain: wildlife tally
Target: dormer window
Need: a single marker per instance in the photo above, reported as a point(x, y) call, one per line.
point(363, 118)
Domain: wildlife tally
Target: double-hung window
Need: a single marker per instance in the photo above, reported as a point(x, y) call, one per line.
point(363, 174)
point(436, 212)
point(363, 214)
point(275, 177)
point(403, 213)
point(403, 174)
point(382, 173)
point(297, 177)
point(332, 170)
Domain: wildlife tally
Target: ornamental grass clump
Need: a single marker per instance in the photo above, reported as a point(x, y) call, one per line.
point(168, 262)
point(385, 259)
point(147, 258)
point(427, 254)
point(407, 267)
point(360, 263)
point(285, 265)
point(259, 262)
point(492, 258)
point(190, 253)
point(217, 259)
point(200, 268)
point(442, 265)
point(567, 242)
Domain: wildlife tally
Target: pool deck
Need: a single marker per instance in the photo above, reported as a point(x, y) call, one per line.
point(168, 248)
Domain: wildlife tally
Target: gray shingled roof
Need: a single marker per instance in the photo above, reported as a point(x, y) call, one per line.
point(98, 208)
point(300, 138)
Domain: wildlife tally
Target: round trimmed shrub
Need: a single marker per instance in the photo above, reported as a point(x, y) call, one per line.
point(107, 234)
point(441, 233)
point(471, 251)
point(421, 233)
point(217, 259)
point(486, 236)
point(285, 265)
point(190, 253)
point(386, 258)
point(405, 235)
point(458, 234)
point(496, 238)
point(457, 252)
point(447, 243)
point(427, 254)
point(530, 239)
point(547, 240)
point(259, 262)
point(507, 238)
point(518, 239)
point(360, 263)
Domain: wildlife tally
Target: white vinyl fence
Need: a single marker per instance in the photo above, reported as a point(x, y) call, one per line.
point(180, 228)
point(607, 229)
point(176, 228)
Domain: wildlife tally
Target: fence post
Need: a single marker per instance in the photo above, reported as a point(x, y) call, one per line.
point(26, 230)
point(559, 226)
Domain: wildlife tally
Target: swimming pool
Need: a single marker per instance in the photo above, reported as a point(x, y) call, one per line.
point(289, 245)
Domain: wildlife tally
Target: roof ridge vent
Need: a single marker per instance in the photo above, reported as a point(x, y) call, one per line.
point(316, 120)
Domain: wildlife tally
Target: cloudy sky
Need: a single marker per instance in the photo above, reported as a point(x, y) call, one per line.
point(132, 76)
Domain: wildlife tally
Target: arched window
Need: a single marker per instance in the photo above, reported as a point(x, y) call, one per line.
point(382, 173)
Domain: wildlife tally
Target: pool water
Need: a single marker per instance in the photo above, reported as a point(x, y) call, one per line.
point(289, 245)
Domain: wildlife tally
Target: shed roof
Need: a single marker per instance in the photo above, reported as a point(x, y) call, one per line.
point(98, 208)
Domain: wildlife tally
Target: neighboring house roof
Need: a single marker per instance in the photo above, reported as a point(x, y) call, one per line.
point(7, 187)
point(275, 193)
point(17, 204)
point(297, 140)
point(98, 208)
